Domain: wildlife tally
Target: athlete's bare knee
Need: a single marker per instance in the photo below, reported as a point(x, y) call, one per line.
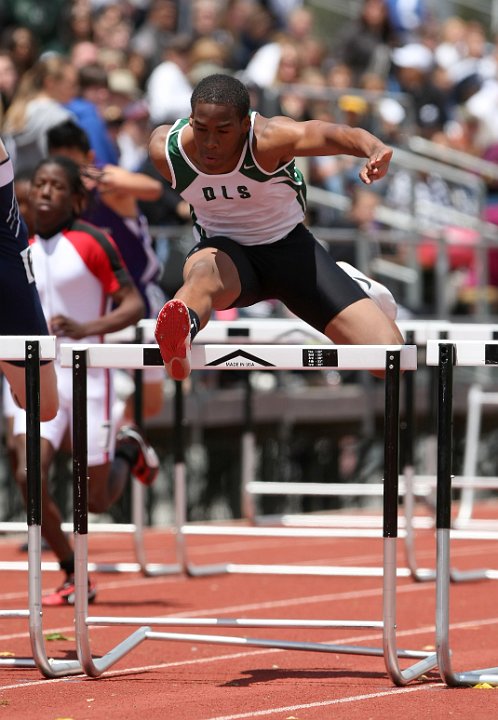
point(203, 275)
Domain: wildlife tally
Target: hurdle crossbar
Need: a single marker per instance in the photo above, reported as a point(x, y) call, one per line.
point(273, 358)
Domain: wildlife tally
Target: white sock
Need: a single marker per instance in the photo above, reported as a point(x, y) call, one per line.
point(375, 290)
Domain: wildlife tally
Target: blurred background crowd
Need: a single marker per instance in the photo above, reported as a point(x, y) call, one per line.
point(400, 68)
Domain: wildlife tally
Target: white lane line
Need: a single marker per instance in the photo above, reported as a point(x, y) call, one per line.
point(327, 703)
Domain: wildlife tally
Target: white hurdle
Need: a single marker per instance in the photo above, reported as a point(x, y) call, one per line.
point(446, 356)
point(32, 350)
point(390, 359)
point(284, 331)
point(423, 332)
point(250, 331)
point(276, 331)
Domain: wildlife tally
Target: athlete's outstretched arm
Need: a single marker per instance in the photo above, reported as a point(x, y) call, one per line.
point(281, 138)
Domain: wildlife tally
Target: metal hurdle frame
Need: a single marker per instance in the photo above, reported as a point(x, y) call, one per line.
point(32, 350)
point(390, 359)
point(423, 332)
point(269, 330)
point(278, 330)
point(445, 356)
point(274, 330)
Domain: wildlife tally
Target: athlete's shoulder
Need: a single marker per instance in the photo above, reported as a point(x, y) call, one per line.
point(157, 140)
point(85, 227)
point(97, 249)
point(157, 150)
point(83, 235)
point(273, 140)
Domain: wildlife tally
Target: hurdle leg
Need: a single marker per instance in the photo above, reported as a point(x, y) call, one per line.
point(443, 523)
point(49, 668)
point(32, 351)
point(138, 492)
point(390, 529)
point(422, 574)
point(248, 454)
point(93, 667)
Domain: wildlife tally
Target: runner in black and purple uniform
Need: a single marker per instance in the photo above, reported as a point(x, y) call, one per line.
point(113, 207)
point(20, 308)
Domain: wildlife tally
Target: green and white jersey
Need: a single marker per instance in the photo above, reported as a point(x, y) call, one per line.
point(248, 205)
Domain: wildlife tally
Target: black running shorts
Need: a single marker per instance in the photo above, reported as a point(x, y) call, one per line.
point(296, 270)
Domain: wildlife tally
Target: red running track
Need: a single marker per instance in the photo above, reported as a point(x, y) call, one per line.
point(185, 681)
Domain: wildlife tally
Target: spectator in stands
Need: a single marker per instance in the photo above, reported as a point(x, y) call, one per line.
point(206, 21)
point(153, 36)
point(112, 27)
point(132, 135)
point(413, 64)
point(207, 56)
point(38, 104)
point(83, 52)
point(8, 81)
point(46, 20)
point(22, 46)
point(80, 25)
point(168, 87)
point(407, 18)
point(365, 44)
point(256, 33)
point(93, 95)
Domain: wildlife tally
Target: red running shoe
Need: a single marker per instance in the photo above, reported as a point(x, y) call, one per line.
point(146, 466)
point(172, 334)
point(65, 594)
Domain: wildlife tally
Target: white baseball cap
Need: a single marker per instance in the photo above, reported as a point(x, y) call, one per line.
point(413, 55)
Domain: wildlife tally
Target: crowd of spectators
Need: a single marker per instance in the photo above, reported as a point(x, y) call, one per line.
point(121, 67)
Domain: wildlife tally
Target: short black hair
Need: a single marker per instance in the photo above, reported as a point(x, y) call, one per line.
point(221, 89)
point(67, 134)
point(92, 75)
point(76, 185)
point(71, 170)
